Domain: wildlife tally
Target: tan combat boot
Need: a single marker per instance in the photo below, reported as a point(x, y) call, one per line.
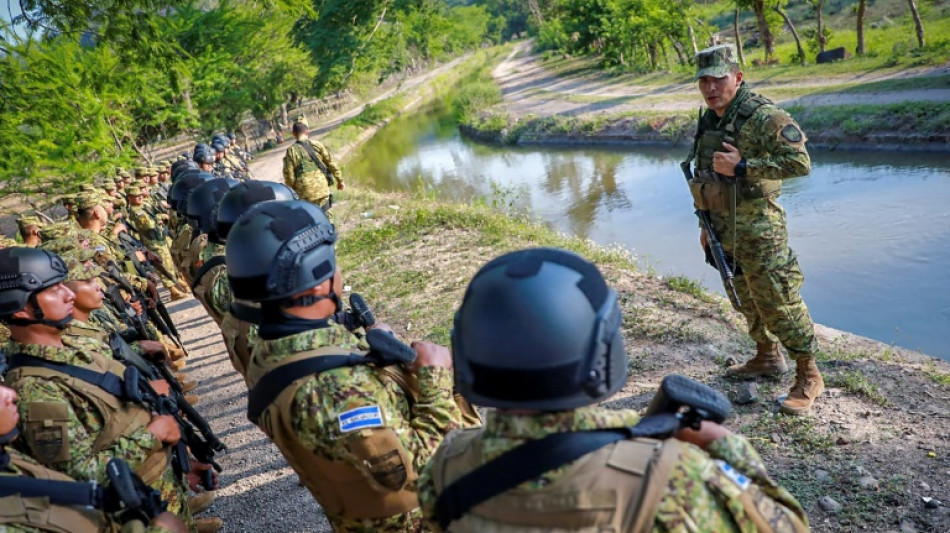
point(177, 293)
point(808, 386)
point(177, 365)
point(768, 361)
point(201, 502)
point(208, 525)
point(192, 399)
point(188, 385)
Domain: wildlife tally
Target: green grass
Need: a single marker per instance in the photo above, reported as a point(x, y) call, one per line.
point(856, 383)
point(689, 286)
point(911, 117)
point(807, 436)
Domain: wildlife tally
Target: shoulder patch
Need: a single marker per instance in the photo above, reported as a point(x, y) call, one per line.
point(791, 133)
point(740, 480)
point(361, 418)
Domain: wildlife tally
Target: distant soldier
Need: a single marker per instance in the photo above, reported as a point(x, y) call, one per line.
point(543, 383)
point(310, 170)
point(745, 146)
point(154, 237)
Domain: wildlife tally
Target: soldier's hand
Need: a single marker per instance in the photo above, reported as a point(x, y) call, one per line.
point(140, 255)
point(340, 186)
point(170, 522)
point(160, 386)
point(154, 350)
point(152, 289)
point(194, 477)
point(703, 239)
point(382, 326)
point(430, 354)
point(725, 162)
point(165, 428)
point(708, 433)
point(137, 306)
point(153, 257)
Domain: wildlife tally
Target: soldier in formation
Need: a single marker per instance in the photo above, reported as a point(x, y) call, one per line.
point(745, 146)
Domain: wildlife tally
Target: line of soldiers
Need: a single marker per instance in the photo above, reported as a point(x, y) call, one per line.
point(93, 361)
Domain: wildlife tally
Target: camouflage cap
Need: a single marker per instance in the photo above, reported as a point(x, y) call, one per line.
point(151, 171)
point(88, 200)
point(57, 230)
point(141, 171)
point(716, 60)
point(302, 119)
point(78, 266)
point(134, 190)
point(88, 187)
point(7, 242)
point(118, 202)
point(124, 174)
point(109, 186)
point(29, 219)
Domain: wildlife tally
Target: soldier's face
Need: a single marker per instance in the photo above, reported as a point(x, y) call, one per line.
point(56, 302)
point(719, 92)
point(88, 294)
point(8, 411)
point(135, 199)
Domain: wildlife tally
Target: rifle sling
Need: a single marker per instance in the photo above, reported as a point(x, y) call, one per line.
point(313, 155)
point(82, 493)
point(106, 381)
point(205, 268)
point(534, 458)
point(274, 382)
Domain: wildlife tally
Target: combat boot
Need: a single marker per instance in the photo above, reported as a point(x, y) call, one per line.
point(188, 385)
point(176, 293)
point(177, 365)
point(808, 386)
point(768, 361)
point(208, 525)
point(192, 399)
point(201, 502)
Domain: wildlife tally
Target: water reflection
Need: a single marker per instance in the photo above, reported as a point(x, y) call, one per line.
point(872, 229)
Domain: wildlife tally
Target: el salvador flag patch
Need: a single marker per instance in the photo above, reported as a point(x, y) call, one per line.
point(361, 418)
point(740, 480)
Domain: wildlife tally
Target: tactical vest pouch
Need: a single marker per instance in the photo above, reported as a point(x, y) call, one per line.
point(711, 193)
point(38, 513)
point(154, 466)
point(47, 431)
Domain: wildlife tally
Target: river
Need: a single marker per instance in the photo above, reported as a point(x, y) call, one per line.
point(871, 229)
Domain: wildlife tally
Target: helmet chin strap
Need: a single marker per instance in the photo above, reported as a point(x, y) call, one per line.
point(38, 317)
point(310, 299)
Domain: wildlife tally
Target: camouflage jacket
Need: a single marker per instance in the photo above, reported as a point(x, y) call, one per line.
point(698, 493)
point(84, 421)
point(303, 176)
point(148, 227)
point(12, 469)
point(217, 290)
point(322, 402)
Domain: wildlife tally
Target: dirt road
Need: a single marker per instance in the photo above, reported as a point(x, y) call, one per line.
point(529, 87)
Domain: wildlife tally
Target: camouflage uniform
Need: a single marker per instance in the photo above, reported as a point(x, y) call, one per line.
point(152, 233)
point(23, 466)
point(304, 176)
point(323, 398)
point(699, 496)
point(85, 424)
point(213, 290)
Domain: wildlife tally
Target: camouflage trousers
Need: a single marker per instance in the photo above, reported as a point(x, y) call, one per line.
point(174, 491)
point(160, 248)
point(771, 280)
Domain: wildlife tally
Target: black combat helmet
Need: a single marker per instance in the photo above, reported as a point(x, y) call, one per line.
point(23, 273)
point(189, 179)
point(204, 155)
point(203, 201)
point(241, 197)
point(279, 249)
point(219, 146)
point(180, 166)
point(538, 329)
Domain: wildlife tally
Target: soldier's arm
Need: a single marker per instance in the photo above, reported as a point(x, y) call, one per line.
point(434, 413)
point(782, 144)
point(427, 498)
point(219, 297)
point(725, 493)
point(289, 166)
point(60, 428)
point(328, 160)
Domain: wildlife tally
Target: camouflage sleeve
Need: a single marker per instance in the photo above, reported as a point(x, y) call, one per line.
point(710, 490)
point(219, 297)
point(83, 425)
point(777, 145)
point(434, 414)
point(328, 160)
point(289, 166)
point(427, 498)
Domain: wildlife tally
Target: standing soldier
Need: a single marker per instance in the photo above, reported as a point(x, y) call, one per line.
point(356, 437)
point(310, 170)
point(29, 226)
point(153, 235)
point(549, 458)
point(745, 146)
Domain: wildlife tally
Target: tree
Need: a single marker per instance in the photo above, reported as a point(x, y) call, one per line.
point(762, 19)
point(861, 12)
point(918, 24)
point(791, 27)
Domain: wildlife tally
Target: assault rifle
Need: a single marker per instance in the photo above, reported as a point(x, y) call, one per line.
point(715, 255)
point(681, 403)
point(126, 496)
point(196, 433)
point(357, 316)
point(159, 315)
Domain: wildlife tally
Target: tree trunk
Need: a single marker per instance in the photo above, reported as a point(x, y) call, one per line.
point(917, 22)
point(680, 55)
point(764, 32)
point(791, 27)
point(536, 11)
point(735, 27)
point(862, 10)
point(692, 38)
point(821, 26)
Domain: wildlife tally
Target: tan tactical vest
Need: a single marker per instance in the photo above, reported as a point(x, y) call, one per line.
point(203, 288)
point(180, 246)
point(341, 489)
point(616, 489)
point(46, 424)
point(39, 513)
point(235, 334)
point(711, 192)
point(191, 258)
